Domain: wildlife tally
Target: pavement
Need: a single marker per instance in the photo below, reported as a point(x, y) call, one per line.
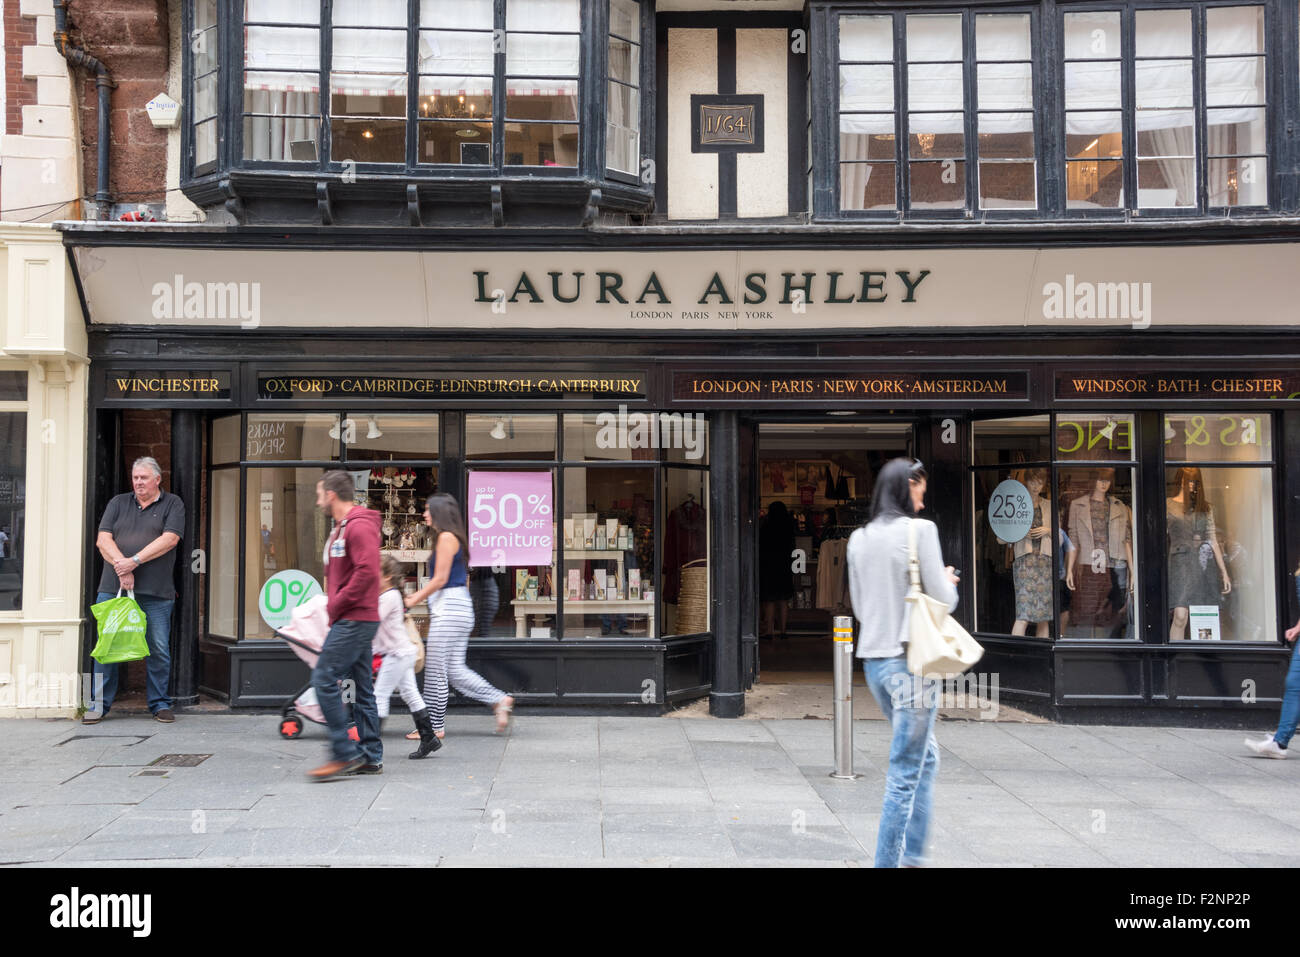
point(634, 791)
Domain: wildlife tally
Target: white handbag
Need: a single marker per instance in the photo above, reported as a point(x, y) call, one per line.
point(937, 646)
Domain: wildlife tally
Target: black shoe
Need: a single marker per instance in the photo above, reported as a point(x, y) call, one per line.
point(370, 769)
point(429, 741)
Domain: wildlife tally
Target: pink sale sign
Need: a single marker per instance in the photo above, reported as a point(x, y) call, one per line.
point(510, 518)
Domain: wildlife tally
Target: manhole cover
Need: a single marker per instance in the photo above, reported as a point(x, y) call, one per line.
point(101, 737)
point(146, 773)
point(179, 760)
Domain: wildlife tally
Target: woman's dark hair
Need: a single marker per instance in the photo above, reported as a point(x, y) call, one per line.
point(778, 514)
point(893, 493)
point(1189, 474)
point(444, 514)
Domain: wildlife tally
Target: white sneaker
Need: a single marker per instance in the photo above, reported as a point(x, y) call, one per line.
point(1268, 748)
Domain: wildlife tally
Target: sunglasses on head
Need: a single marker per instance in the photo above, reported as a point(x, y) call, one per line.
point(916, 471)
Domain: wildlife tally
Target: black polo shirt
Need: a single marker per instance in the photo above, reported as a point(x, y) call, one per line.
point(132, 528)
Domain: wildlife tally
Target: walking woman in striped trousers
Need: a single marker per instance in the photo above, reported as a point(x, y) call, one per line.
point(451, 618)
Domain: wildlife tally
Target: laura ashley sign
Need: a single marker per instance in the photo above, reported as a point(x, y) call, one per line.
point(619, 290)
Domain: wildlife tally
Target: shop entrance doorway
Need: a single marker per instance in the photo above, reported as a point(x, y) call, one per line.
point(813, 489)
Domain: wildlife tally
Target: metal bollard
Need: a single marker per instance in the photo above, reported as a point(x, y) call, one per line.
point(843, 644)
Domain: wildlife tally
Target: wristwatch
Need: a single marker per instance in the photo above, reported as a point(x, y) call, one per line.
point(136, 558)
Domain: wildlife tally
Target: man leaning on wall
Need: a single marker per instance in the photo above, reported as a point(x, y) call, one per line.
point(138, 536)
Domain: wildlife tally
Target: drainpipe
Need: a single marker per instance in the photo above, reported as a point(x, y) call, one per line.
point(104, 85)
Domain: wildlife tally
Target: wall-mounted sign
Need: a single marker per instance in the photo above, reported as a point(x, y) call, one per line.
point(1011, 511)
point(167, 385)
point(496, 385)
point(726, 123)
point(1273, 384)
point(875, 387)
point(511, 519)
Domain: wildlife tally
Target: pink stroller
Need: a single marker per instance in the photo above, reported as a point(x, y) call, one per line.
point(305, 634)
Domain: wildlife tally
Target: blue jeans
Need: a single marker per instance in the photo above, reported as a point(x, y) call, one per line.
point(909, 706)
point(158, 634)
point(1286, 726)
point(346, 655)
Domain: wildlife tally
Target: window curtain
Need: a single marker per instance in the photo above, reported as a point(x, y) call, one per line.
point(621, 129)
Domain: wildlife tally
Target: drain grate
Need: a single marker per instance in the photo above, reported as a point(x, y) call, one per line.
point(179, 760)
point(146, 773)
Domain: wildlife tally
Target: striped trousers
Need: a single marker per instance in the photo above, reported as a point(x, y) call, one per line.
point(451, 618)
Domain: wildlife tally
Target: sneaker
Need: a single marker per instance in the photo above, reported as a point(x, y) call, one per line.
point(164, 715)
point(93, 717)
point(370, 769)
point(1268, 748)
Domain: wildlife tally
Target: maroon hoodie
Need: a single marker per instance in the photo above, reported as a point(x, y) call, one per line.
point(352, 576)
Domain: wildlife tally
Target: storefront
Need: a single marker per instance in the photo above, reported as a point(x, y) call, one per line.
point(613, 422)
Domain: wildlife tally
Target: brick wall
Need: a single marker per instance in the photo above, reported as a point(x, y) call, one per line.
point(20, 91)
point(131, 38)
point(148, 432)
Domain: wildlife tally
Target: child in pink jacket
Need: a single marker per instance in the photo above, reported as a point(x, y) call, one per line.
point(398, 669)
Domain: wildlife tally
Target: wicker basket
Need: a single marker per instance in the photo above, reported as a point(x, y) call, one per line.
point(693, 600)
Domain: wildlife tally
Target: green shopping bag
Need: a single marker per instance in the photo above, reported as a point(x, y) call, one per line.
point(121, 624)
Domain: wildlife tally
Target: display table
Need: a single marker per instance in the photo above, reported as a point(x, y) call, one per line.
point(582, 606)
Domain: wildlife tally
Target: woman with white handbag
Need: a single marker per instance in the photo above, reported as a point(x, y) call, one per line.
point(878, 558)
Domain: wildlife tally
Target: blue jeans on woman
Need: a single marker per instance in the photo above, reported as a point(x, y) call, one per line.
point(158, 666)
point(909, 705)
point(1286, 725)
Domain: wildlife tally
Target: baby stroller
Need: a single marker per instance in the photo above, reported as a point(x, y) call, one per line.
point(305, 635)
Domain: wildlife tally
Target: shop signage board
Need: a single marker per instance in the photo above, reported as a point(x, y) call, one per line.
point(624, 289)
point(283, 592)
point(511, 519)
point(498, 385)
point(845, 386)
point(168, 384)
point(1234, 385)
point(1010, 511)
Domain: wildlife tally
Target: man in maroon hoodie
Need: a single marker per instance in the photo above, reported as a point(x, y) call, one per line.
point(352, 586)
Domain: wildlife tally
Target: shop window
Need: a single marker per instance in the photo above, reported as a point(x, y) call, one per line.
point(623, 111)
point(392, 437)
point(225, 439)
point(284, 530)
point(608, 568)
point(603, 437)
point(1219, 527)
point(296, 436)
point(204, 84)
point(1015, 561)
point(510, 437)
point(13, 493)
point(1055, 531)
point(686, 604)
point(1188, 69)
point(1100, 577)
point(223, 551)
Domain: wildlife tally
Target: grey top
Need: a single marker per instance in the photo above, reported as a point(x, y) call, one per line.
point(878, 581)
point(132, 528)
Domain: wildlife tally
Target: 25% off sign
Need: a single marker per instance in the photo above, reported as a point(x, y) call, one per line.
point(510, 518)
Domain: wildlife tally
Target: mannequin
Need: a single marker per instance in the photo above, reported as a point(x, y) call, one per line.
point(1102, 529)
point(1190, 527)
point(1032, 568)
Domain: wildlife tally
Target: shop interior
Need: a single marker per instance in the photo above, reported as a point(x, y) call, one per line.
point(814, 489)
